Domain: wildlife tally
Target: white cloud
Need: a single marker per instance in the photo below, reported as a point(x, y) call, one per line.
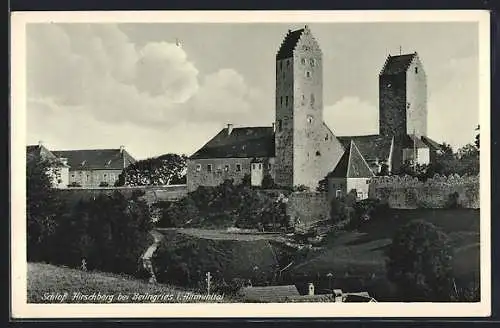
point(351, 116)
point(454, 105)
point(92, 76)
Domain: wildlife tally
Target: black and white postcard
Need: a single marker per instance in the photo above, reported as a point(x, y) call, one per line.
point(250, 164)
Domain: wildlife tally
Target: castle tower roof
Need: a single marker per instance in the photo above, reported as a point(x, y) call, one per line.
point(289, 43)
point(397, 64)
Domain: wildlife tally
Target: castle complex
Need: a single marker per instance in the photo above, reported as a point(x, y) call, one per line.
point(300, 149)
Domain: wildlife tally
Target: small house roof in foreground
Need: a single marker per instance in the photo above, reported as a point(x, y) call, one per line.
point(104, 159)
point(241, 142)
point(352, 164)
point(269, 293)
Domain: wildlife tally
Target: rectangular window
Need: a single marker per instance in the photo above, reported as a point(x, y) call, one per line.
point(308, 74)
point(338, 193)
point(209, 167)
point(286, 101)
point(238, 167)
point(198, 167)
point(360, 195)
point(260, 166)
point(226, 168)
point(269, 166)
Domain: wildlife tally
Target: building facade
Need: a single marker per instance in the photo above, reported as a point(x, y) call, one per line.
point(58, 170)
point(95, 167)
point(299, 148)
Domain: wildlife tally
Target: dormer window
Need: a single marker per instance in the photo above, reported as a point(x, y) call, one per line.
point(83, 163)
point(108, 163)
point(389, 85)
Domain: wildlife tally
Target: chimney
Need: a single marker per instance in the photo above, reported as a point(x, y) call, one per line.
point(64, 160)
point(311, 289)
point(229, 129)
point(274, 127)
point(122, 148)
point(40, 143)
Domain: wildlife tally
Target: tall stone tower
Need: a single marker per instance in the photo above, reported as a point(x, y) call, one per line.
point(306, 149)
point(402, 102)
point(403, 97)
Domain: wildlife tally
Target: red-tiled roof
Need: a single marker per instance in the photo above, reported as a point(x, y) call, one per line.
point(288, 44)
point(352, 164)
point(96, 159)
point(397, 64)
point(241, 142)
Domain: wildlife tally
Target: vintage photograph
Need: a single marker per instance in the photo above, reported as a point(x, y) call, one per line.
point(291, 160)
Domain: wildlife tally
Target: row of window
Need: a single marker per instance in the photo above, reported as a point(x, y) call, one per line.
point(227, 167)
point(303, 61)
point(303, 100)
point(86, 177)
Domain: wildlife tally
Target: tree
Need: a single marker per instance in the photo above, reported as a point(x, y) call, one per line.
point(419, 263)
point(476, 142)
point(42, 209)
point(162, 170)
point(268, 182)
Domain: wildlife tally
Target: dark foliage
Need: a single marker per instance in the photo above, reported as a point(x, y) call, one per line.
point(43, 209)
point(226, 205)
point(110, 232)
point(419, 263)
point(268, 182)
point(322, 185)
point(162, 170)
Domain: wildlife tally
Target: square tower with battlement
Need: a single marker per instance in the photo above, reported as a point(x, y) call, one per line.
point(305, 148)
point(403, 97)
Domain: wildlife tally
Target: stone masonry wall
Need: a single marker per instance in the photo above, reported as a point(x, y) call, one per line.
point(308, 207)
point(409, 193)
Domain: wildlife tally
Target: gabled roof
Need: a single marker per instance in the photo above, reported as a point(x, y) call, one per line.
point(411, 141)
point(41, 152)
point(372, 147)
point(352, 164)
point(240, 143)
point(96, 159)
point(397, 64)
point(269, 293)
point(431, 143)
point(288, 44)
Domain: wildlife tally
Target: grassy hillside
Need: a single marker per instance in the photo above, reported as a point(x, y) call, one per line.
point(52, 284)
point(361, 254)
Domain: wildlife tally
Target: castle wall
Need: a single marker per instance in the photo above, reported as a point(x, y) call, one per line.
point(222, 169)
point(409, 193)
point(308, 207)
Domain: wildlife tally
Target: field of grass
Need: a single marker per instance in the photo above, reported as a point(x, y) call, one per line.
point(52, 284)
point(363, 252)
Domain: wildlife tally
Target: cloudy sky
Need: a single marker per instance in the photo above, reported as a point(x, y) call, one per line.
point(106, 85)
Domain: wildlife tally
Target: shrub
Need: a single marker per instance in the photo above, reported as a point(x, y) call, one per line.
point(419, 263)
point(322, 185)
point(301, 188)
point(74, 184)
point(43, 209)
point(452, 201)
point(110, 232)
point(103, 184)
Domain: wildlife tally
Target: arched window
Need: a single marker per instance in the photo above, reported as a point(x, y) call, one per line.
point(303, 61)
